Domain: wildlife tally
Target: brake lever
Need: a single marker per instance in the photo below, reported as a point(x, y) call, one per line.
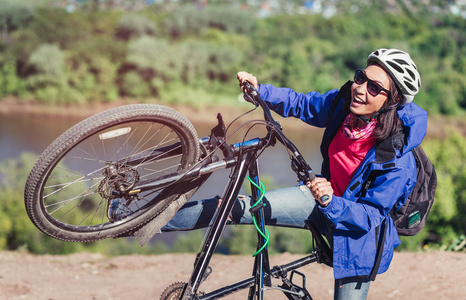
point(250, 99)
point(305, 173)
point(249, 88)
point(250, 93)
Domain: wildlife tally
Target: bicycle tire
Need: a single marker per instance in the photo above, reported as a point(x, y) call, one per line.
point(68, 194)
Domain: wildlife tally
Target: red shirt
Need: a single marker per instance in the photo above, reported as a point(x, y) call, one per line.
point(345, 156)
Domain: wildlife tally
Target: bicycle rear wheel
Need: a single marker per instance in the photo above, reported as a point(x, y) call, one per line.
point(72, 192)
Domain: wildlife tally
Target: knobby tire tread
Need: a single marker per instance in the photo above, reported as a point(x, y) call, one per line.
point(58, 148)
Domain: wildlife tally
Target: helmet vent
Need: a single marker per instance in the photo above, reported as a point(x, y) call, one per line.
point(396, 53)
point(411, 74)
point(402, 62)
point(395, 66)
point(410, 86)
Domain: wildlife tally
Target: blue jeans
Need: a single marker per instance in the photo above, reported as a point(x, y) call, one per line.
point(287, 207)
point(352, 288)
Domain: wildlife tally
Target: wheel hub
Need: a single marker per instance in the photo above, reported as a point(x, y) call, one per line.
point(117, 182)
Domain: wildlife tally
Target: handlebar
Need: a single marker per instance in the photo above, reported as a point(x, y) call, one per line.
point(298, 164)
point(252, 95)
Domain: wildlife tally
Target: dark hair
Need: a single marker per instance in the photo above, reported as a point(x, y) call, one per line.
point(388, 122)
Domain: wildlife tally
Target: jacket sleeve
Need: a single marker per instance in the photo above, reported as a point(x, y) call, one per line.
point(312, 108)
point(370, 210)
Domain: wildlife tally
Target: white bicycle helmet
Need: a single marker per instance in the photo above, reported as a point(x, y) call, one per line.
point(401, 68)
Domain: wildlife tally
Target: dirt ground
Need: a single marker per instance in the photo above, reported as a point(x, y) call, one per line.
point(428, 275)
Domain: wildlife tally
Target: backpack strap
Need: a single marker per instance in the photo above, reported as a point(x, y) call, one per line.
point(380, 246)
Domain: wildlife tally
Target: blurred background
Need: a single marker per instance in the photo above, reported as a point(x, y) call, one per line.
point(61, 60)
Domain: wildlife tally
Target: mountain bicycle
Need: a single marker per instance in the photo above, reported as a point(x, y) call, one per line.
point(127, 170)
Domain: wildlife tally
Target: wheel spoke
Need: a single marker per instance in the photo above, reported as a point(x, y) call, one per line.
point(99, 161)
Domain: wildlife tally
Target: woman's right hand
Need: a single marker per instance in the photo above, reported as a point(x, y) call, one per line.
point(245, 76)
point(320, 187)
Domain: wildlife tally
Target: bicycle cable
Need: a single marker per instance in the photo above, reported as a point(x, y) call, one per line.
point(265, 234)
point(236, 119)
point(227, 137)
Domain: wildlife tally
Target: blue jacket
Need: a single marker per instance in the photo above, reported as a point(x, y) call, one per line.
point(358, 215)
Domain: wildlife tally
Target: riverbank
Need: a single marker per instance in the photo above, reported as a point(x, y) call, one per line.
point(438, 126)
point(205, 115)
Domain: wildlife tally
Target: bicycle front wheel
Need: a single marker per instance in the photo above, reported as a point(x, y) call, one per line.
point(76, 190)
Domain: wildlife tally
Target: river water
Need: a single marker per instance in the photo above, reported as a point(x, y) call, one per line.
point(33, 133)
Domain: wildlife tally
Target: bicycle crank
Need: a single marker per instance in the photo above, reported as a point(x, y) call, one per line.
point(173, 291)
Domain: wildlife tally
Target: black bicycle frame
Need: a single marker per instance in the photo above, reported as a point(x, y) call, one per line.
point(261, 274)
point(246, 162)
point(243, 158)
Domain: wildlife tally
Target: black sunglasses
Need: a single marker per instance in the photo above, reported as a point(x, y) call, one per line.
point(372, 87)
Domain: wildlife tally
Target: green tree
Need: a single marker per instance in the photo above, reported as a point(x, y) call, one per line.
point(10, 82)
point(14, 15)
point(242, 240)
point(47, 79)
point(446, 222)
point(188, 243)
point(134, 26)
point(48, 59)
point(190, 20)
point(56, 26)
point(17, 230)
point(154, 61)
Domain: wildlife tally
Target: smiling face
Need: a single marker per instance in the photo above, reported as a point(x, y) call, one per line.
point(362, 102)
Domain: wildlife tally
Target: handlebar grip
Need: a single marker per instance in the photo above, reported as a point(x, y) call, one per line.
point(324, 198)
point(250, 93)
point(311, 177)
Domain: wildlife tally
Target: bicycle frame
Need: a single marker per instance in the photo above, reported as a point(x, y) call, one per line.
point(242, 157)
point(262, 274)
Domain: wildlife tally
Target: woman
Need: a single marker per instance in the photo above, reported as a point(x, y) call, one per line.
point(370, 129)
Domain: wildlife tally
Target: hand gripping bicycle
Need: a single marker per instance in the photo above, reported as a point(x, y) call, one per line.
point(127, 170)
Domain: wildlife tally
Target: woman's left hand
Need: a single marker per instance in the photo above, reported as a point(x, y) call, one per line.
point(245, 76)
point(320, 187)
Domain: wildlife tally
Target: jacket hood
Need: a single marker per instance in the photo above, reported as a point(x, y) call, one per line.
point(414, 120)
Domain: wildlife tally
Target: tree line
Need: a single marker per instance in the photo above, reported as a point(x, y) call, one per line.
point(190, 54)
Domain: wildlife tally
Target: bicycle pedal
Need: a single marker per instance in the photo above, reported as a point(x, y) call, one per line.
point(298, 290)
point(291, 290)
